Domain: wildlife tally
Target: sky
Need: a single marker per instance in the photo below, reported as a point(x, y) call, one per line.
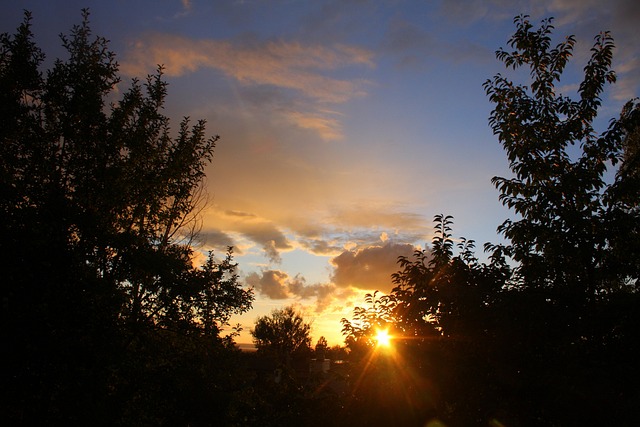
point(345, 125)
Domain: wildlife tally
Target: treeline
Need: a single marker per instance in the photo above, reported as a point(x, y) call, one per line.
point(106, 321)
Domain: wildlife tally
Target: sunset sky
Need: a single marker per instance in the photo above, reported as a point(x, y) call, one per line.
point(345, 125)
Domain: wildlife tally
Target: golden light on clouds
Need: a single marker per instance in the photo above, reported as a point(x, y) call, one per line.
point(369, 267)
point(327, 127)
point(290, 65)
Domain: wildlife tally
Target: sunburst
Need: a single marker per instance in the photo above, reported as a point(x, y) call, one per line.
point(383, 338)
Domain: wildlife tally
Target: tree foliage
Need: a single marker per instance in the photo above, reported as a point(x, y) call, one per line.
point(544, 331)
point(284, 332)
point(361, 330)
point(321, 349)
point(98, 211)
point(570, 217)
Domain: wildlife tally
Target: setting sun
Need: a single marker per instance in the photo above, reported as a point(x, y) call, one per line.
point(383, 338)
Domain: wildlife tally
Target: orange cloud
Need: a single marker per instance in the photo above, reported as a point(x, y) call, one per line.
point(240, 227)
point(370, 214)
point(271, 283)
point(278, 285)
point(287, 65)
point(321, 232)
point(369, 267)
point(328, 128)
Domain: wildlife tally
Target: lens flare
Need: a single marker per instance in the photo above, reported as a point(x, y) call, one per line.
point(383, 338)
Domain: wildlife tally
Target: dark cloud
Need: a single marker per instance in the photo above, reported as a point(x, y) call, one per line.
point(403, 35)
point(414, 47)
point(268, 236)
point(240, 214)
point(627, 14)
point(216, 238)
point(271, 251)
point(338, 19)
point(243, 225)
point(299, 287)
point(277, 284)
point(271, 283)
point(321, 247)
point(468, 12)
point(369, 267)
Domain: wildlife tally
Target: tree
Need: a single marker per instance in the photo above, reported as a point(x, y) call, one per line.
point(437, 293)
point(575, 238)
point(321, 348)
point(98, 212)
point(624, 196)
point(284, 333)
point(443, 293)
point(568, 214)
point(545, 332)
point(367, 321)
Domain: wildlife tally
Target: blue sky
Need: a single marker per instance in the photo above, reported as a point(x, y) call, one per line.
point(345, 125)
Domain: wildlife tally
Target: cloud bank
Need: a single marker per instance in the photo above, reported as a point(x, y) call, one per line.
point(366, 268)
point(371, 267)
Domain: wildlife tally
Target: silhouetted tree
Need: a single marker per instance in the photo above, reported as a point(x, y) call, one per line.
point(367, 321)
point(321, 348)
point(98, 210)
point(440, 293)
point(567, 209)
point(283, 333)
point(574, 239)
point(546, 331)
point(444, 309)
point(285, 392)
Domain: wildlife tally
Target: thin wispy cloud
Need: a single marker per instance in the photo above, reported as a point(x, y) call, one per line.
point(368, 214)
point(290, 65)
point(327, 126)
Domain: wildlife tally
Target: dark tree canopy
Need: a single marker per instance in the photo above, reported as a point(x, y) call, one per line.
point(545, 332)
point(571, 219)
point(98, 210)
point(283, 332)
